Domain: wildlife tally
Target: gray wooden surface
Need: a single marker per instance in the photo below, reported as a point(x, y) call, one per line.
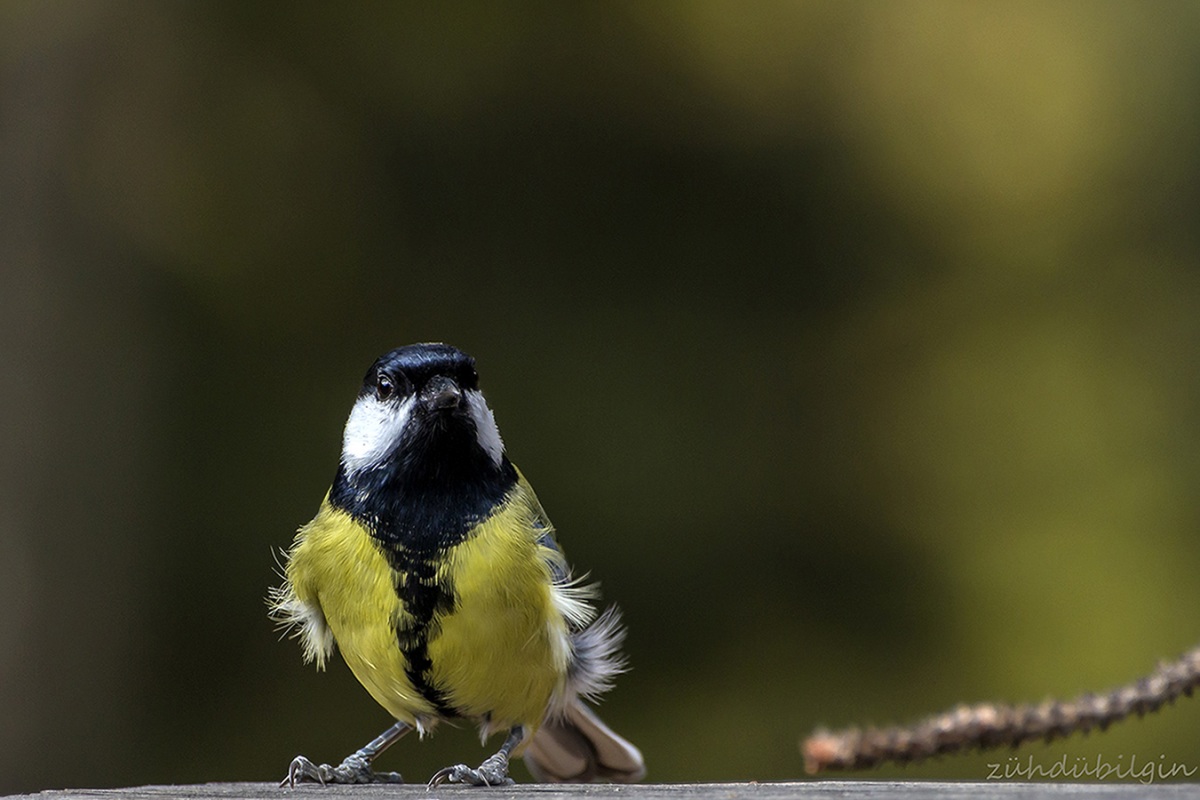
point(810, 790)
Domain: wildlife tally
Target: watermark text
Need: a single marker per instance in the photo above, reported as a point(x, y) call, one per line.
point(1088, 768)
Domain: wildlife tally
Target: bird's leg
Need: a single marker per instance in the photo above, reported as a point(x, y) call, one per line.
point(356, 768)
point(492, 772)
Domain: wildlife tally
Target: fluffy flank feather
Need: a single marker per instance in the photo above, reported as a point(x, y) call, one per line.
point(596, 658)
point(572, 598)
point(302, 621)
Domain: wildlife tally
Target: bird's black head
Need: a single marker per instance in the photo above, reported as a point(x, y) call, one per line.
point(440, 372)
point(420, 416)
point(422, 459)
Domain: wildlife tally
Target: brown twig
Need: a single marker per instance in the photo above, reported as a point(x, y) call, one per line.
point(989, 725)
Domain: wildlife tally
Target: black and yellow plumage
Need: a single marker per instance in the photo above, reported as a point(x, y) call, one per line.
point(434, 570)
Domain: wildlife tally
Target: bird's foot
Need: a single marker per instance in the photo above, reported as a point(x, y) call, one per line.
point(492, 772)
point(355, 769)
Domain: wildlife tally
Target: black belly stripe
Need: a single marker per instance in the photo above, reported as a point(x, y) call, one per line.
point(426, 600)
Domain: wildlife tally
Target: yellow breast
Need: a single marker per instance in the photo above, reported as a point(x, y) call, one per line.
point(504, 649)
point(336, 568)
point(501, 651)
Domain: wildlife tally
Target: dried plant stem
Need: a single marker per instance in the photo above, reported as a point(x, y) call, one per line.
point(989, 725)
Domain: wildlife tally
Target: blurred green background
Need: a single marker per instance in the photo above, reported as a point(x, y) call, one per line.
point(852, 346)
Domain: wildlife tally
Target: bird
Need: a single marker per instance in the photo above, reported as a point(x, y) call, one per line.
point(433, 568)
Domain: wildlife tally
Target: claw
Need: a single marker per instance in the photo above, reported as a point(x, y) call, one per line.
point(353, 770)
point(462, 774)
point(492, 772)
point(301, 770)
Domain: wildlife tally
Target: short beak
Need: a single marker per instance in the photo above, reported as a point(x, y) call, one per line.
point(441, 392)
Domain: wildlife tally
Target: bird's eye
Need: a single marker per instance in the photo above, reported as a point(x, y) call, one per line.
point(385, 387)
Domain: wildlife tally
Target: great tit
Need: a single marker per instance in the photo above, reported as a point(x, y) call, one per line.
point(433, 568)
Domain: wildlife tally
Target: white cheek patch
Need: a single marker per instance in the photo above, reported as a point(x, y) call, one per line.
point(486, 431)
point(373, 431)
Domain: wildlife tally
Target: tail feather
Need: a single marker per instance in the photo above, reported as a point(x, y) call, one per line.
point(577, 747)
